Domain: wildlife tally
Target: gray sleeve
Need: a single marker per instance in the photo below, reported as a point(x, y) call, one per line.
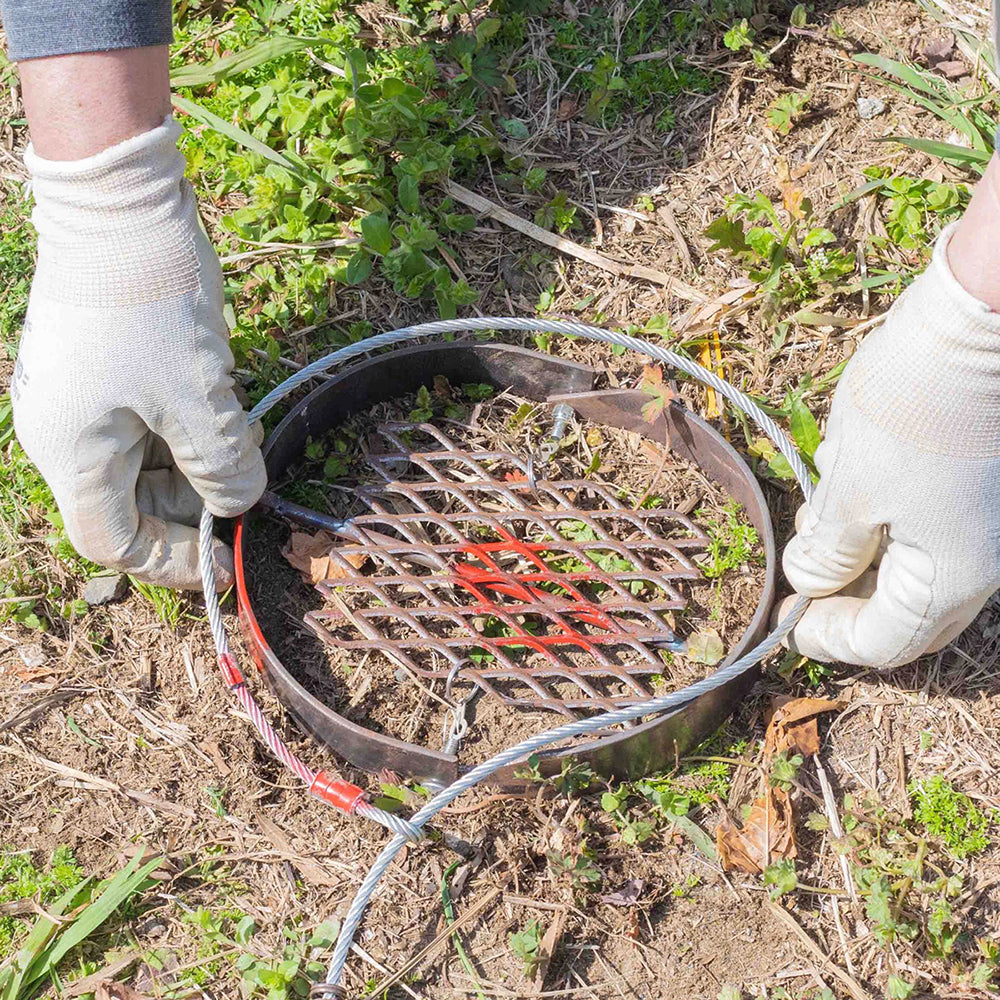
point(37, 28)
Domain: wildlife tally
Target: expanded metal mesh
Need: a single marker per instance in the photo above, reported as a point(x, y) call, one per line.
point(554, 594)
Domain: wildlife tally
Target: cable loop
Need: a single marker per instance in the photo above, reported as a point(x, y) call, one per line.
point(396, 824)
point(409, 830)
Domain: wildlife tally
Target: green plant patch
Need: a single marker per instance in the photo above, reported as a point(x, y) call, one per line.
point(21, 879)
point(950, 816)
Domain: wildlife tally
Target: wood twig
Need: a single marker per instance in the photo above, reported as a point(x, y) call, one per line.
point(102, 784)
point(667, 217)
point(674, 285)
point(445, 935)
point(850, 983)
point(836, 827)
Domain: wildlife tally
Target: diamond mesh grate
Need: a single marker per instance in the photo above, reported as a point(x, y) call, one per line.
point(554, 596)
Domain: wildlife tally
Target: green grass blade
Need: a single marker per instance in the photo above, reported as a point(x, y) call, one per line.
point(238, 135)
point(38, 940)
point(930, 93)
point(696, 835)
point(125, 884)
point(858, 192)
point(449, 915)
point(909, 75)
point(947, 151)
point(194, 75)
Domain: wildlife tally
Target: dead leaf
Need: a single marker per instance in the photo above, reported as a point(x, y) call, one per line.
point(952, 69)
point(442, 387)
point(627, 895)
point(310, 555)
point(706, 647)
point(659, 392)
point(768, 835)
point(793, 724)
point(547, 948)
point(310, 870)
point(567, 109)
point(792, 196)
point(116, 991)
point(941, 47)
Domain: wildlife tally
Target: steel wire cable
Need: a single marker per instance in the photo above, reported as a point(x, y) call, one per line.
point(406, 830)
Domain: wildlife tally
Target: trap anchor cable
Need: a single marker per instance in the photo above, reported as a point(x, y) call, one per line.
point(350, 798)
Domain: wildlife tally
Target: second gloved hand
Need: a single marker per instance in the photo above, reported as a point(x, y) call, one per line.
point(910, 466)
point(122, 392)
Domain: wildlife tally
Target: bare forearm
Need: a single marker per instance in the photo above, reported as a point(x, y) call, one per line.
point(80, 104)
point(974, 251)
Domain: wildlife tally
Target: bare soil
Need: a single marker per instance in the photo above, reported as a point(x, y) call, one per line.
point(114, 729)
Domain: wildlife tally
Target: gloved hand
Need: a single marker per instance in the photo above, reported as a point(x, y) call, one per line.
point(122, 391)
point(910, 467)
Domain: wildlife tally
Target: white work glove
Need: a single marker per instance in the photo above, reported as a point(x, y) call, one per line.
point(122, 391)
point(910, 467)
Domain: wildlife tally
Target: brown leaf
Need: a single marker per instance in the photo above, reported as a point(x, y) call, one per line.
point(442, 387)
point(952, 69)
point(793, 724)
point(567, 109)
point(768, 835)
point(116, 991)
point(547, 948)
point(627, 895)
point(792, 196)
point(658, 391)
point(310, 555)
point(941, 47)
point(310, 870)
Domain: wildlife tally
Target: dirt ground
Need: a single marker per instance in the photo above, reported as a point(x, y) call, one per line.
point(115, 730)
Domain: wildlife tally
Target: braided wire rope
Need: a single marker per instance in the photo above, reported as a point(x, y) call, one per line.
point(406, 830)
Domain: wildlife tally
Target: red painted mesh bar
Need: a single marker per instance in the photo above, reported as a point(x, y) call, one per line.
point(550, 597)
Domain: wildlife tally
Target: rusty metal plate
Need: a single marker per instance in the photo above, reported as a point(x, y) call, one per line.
point(553, 595)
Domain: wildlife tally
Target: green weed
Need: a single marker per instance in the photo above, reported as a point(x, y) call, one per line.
point(596, 58)
point(576, 868)
point(732, 542)
point(168, 604)
point(526, 945)
point(290, 974)
point(21, 879)
point(16, 263)
point(87, 906)
point(917, 209)
point(784, 771)
point(950, 816)
point(793, 260)
point(780, 878)
point(792, 665)
point(802, 426)
point(786, 109)
point(909, 892)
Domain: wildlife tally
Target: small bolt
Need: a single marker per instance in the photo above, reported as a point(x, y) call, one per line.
point(562, 414)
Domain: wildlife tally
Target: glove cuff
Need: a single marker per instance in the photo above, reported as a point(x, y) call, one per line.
point(117, 228)
point(931, 372)
point(966, 304)
point(139, 178)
